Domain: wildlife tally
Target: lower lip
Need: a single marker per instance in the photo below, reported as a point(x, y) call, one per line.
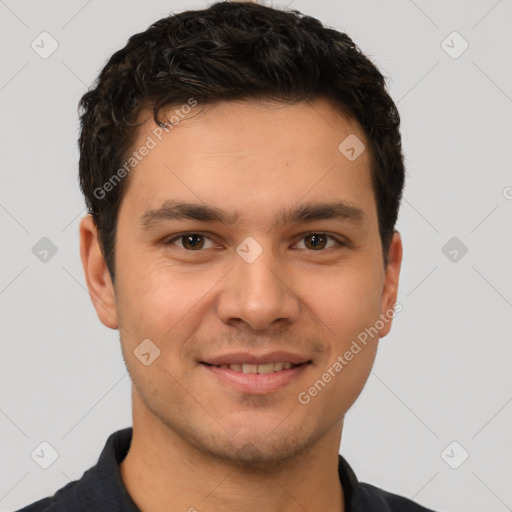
point(257, 383)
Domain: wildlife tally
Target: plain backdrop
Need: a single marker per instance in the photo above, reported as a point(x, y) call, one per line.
point(441, 384)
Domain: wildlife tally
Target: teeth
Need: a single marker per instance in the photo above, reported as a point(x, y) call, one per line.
point(249, 368)
point(266, 368)
point(259, 368)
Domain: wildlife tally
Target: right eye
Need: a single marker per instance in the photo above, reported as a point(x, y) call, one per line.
point(192, 242)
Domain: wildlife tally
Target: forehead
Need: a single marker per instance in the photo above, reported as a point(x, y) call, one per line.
point(238, 156)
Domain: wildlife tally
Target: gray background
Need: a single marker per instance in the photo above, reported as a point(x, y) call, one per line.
point(442, 375)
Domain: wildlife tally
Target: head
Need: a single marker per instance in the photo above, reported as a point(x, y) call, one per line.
point(247, 112)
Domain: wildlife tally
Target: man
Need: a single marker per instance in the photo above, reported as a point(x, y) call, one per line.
point(243, 172)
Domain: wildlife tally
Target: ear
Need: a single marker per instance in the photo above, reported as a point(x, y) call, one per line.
point(390, 288)
point(99, 284)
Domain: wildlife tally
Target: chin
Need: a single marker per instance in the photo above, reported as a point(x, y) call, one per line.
point(251, 450)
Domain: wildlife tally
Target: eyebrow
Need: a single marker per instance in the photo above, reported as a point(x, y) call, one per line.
point(179, 210)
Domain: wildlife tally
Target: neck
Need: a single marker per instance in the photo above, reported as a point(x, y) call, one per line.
point(163, 472)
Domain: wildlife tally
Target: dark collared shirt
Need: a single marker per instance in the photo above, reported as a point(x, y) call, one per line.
point(101, 489)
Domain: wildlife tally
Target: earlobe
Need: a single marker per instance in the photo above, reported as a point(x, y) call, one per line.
point(99, 283)
point(391, 279)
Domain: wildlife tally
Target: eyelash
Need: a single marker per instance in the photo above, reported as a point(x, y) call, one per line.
point(339, 242)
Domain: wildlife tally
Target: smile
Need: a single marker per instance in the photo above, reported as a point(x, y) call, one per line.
point(256, 379)
point(258, 368)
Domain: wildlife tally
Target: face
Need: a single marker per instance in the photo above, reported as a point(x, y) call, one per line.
point(277, 259)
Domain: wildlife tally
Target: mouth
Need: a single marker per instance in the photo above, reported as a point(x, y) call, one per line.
point(258, 368)
point(256, 379)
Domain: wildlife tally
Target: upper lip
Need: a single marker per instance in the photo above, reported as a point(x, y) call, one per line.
point(246, 357)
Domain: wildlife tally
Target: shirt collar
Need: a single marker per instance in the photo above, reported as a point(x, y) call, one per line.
point(105, 477)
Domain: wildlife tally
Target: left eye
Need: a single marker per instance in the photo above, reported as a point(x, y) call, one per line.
point(196, 241)
point(319, 240)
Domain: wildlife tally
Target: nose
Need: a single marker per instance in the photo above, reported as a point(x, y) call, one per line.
point(259, 294)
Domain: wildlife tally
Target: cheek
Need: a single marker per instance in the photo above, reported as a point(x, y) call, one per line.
point(347, 301)
point(160, 302)
point(349, 305)
point(350, 311)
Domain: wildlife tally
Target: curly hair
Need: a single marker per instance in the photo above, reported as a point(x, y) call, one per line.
point(232, 51)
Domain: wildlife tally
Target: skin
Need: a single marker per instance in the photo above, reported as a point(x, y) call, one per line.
point(197, 443)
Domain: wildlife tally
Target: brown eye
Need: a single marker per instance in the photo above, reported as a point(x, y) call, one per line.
point(193, 241)
point(190, 241)
point(319, 241)
point(316, 241)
